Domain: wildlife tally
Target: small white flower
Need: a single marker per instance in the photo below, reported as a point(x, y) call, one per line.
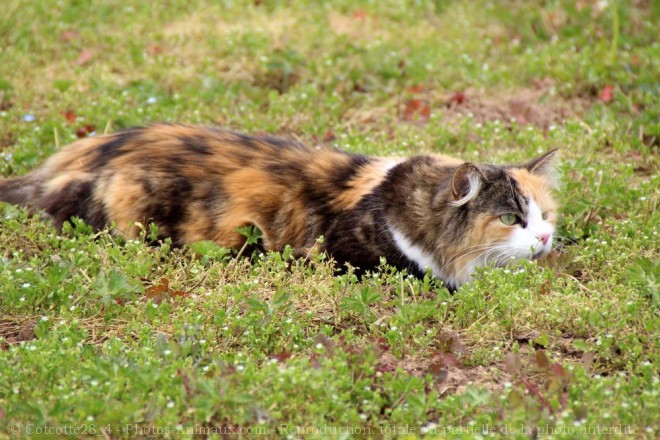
point(428, 428)
point(170, 404)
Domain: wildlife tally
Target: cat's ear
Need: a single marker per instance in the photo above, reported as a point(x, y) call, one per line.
point(544, 165)
point(466, 183)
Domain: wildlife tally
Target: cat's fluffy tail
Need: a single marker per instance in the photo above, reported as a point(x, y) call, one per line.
point(19, 190)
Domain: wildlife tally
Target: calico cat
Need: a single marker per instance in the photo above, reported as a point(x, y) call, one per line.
point(202, 183)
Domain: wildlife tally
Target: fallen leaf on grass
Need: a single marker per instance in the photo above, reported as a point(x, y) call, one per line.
point(441, 361)
point(283, 356)
point(512, 364)
point(70, 116)
point(160, 292)
point(329, 136)
point(85, 131)
point(84, 57)
point(359, 14)
point(159, 289)
point(419, 88)
point(606, 94)
point(457, 98)
point(416, 109)
point(69, 35)
point(542, 359)
point(558, 370)
point(449, 342)
point(155, 50)
point(386, 363)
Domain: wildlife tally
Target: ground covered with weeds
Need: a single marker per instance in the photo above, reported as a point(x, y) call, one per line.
point(120, 339)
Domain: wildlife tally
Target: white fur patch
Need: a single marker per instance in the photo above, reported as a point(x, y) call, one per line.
point(475, 185)
point(414, 252)
point(525, 242)
point(390, 163)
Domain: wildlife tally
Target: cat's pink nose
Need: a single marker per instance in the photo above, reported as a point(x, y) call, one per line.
point(544, 238)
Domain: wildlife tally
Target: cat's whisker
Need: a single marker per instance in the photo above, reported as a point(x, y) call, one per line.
point(468, 266)
point(469, 251)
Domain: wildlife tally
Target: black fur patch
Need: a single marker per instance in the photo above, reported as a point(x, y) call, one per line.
point(76, 199)
point(113, 147)
point(196, 145)
point(345, 174)
point(245, 141)
point(168, 211)
point(282, 168)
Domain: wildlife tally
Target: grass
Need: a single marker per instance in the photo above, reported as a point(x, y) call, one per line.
point(122, 340)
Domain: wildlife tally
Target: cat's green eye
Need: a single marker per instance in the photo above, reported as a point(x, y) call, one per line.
point(544, 215)
point(509, 219)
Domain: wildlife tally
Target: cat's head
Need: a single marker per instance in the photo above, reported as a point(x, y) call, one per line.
point(504, 212)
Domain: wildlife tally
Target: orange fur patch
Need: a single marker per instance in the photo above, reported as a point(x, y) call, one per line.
point(122, 202)
point(364, 183)
point(538, 188)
